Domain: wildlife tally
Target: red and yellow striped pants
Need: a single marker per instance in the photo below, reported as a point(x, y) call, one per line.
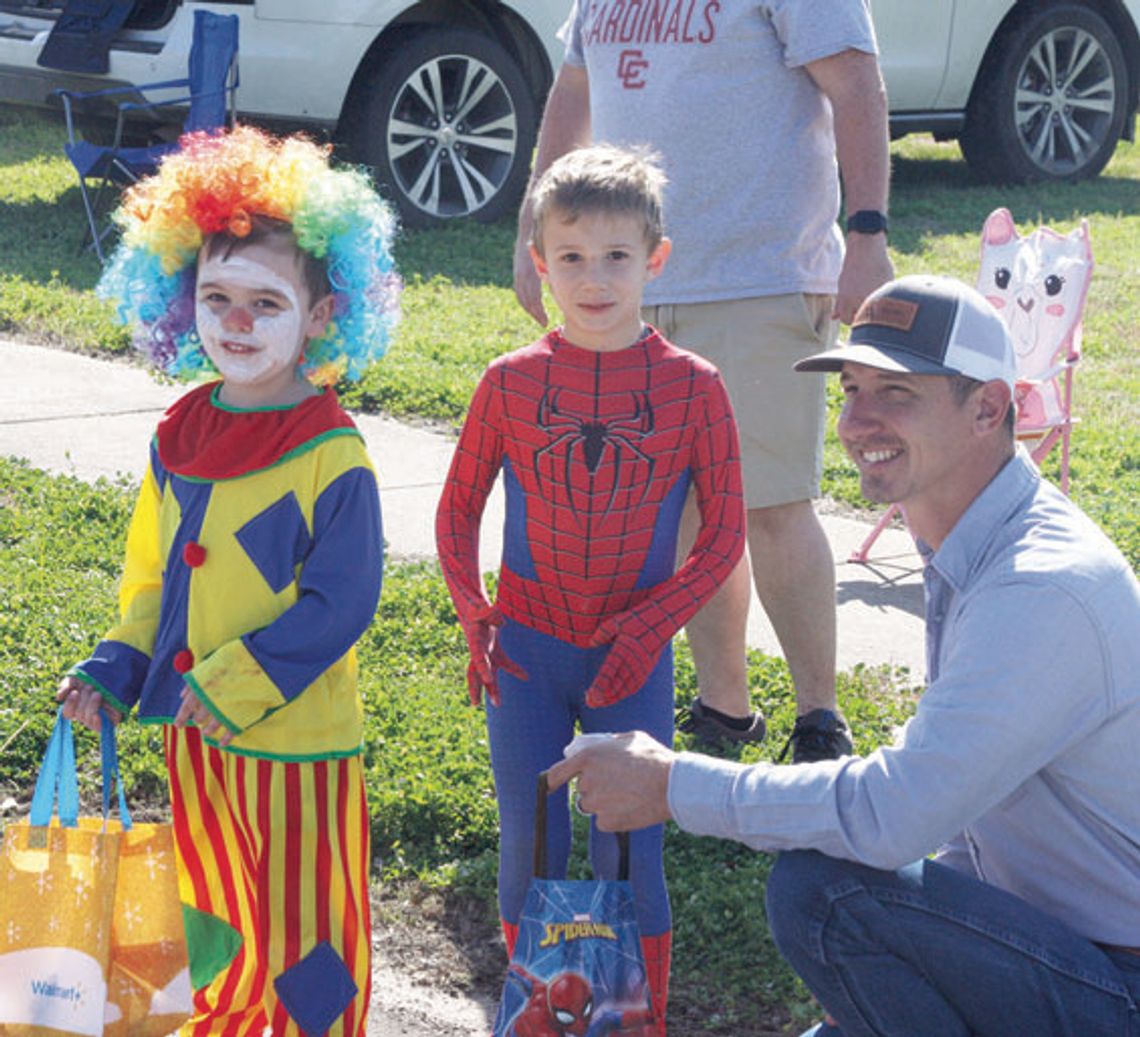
point(273, 859)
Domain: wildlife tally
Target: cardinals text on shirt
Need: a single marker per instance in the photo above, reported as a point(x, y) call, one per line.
point(651, 21)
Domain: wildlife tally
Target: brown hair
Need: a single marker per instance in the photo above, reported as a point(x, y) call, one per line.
point(962, 386)
point(602, 179)
point(276, 234)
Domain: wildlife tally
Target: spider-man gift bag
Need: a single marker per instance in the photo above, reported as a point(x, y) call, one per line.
point(577, 966)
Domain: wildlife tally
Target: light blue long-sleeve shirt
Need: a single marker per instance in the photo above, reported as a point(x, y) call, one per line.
point(1020, 762)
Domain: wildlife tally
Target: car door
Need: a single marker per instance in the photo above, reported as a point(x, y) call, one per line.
point(914, 41)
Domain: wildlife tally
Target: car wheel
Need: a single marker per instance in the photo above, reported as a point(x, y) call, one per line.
point(1051, 99)
point(449, 124)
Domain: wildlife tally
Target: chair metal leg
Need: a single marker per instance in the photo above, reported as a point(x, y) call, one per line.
point(1065, 460)
point(91, 235)
point(97, 207)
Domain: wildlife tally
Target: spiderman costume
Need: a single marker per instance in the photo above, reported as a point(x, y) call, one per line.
point(598, 451)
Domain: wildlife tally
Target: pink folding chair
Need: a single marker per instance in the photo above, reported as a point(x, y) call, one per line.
point(1038, 283)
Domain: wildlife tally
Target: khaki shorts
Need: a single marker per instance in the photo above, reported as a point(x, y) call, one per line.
point(780, 413)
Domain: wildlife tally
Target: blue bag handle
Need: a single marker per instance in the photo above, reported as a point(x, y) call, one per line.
point(539, 867)
point(110, 759)
point(57, 780)
point(57, 776)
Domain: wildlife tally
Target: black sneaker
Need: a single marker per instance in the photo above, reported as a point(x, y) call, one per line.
point(708, 726)
point(818, 735)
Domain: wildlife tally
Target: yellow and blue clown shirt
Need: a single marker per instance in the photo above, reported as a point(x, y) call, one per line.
point(253, 566)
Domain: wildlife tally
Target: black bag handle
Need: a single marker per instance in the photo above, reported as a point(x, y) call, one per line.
point(540, 836)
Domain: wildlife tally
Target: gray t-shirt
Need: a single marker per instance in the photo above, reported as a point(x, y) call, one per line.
point(717, 89)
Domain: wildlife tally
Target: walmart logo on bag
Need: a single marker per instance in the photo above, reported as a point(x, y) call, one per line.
point(53, 987)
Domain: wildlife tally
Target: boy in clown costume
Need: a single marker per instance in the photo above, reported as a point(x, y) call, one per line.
point(599, 429)
point(253, 565)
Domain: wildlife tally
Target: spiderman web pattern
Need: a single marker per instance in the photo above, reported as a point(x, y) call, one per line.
point(600, 448)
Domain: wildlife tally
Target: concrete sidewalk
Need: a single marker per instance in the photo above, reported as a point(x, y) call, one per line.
point(71, 414)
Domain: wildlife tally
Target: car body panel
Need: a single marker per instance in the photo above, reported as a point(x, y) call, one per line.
point(931, 50)
point(974, 25)
point(913, 41)
point(279, 77)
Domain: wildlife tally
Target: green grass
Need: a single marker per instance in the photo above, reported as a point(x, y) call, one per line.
point(431, 799)
point(459, 310)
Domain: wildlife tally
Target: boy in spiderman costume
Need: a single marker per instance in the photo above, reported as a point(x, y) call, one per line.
point(599, 429)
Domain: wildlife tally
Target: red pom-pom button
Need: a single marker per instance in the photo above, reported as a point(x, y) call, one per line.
point(184, 661)
point(193, 554)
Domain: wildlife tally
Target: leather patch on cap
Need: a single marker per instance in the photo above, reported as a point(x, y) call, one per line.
point(887, 313)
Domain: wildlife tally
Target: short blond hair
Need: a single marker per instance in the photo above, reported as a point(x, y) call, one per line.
point(602, 178)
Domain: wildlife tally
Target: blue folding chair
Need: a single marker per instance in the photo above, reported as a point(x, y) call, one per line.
point(211, 88)
point(81, 39)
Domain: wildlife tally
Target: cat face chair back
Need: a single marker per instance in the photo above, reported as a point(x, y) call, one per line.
point(1038, 284)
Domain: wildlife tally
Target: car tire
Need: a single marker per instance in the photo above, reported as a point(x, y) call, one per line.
point(1029, 121)
point(448, 123)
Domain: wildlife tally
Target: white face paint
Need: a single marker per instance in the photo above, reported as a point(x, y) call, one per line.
point(249, 318)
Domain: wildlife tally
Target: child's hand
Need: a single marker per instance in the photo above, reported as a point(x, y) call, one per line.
point(627, 666)
point(487, 656)
point(193, 709)
point(82, 703)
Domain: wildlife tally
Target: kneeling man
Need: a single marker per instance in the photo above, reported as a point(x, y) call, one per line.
point(1017, 772)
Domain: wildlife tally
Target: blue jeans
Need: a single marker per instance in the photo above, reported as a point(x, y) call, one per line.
point(930, 952)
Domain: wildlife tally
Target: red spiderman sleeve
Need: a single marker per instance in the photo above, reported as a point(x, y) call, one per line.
point(639, 634)
point(474, 467)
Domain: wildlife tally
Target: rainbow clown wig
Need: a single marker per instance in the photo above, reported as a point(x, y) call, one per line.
point(217, 182)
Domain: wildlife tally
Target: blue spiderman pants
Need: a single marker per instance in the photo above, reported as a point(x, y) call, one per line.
point(535, 720)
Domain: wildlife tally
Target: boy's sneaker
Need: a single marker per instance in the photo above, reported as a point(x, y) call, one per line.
point(715, 731)
point(818, 735)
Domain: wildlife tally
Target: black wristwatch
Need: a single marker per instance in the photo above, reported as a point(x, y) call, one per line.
point(867, 221)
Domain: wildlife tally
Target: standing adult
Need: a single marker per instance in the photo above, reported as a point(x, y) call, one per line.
point(756, 110)
point(1018, 765)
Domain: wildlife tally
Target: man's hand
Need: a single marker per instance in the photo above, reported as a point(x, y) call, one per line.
point(193, 709)
point(487, 656)
point(82, 703)
point(866, 266)
point(528, 286)
point(627, 665)
point(623, 782)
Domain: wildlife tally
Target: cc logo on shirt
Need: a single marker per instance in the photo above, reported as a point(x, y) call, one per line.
point(631, 69)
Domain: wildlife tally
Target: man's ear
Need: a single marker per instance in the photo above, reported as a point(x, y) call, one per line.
point(658, 258)
point(540, 266)
point(991, 402)
point(320, 314)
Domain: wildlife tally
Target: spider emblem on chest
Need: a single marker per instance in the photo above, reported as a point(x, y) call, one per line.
point(615, 439)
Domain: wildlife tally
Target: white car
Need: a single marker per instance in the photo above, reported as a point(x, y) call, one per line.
point(1034, 90)
point(443, 97)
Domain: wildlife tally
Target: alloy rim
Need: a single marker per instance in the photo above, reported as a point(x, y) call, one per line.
point(1066, 95)
point(452, 136)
